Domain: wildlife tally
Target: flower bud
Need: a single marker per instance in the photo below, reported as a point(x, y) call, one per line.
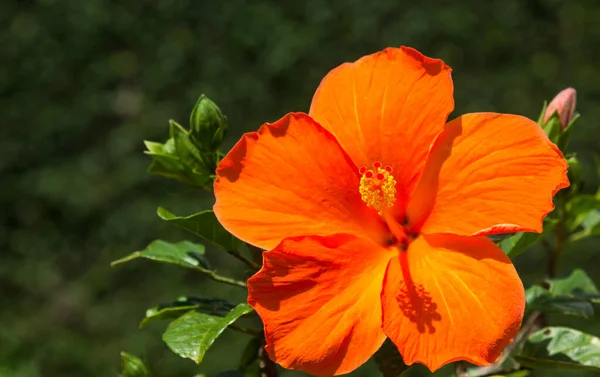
point(207, 124)
point(564, 105)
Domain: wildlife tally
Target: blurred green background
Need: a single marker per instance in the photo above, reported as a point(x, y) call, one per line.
point(83, 82)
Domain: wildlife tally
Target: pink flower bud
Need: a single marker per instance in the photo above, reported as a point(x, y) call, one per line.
point(564, 104)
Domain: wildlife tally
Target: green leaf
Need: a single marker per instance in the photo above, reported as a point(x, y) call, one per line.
point(590, 225)
point(541, 117)
point(497, 238)
point(552, 127)
point(179, 158)
point(520, 242)
point(205, 225)
point(185, 149)
point(192, 334)
point(572, 295)
point(166, 166)
point(213, 306)
point(158, 313)
point(541, 299)
point(561, 347)
point(579, 208)
point(250, 361)
point(565, 135)
point(389, 361)
point(519, 373)
point(133, 366)
point(154, 148)
point(578, 284)
point(184, 253)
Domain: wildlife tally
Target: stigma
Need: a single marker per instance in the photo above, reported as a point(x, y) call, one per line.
point(377, 187)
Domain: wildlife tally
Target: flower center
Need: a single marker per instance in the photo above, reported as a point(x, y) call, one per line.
point(378, 187)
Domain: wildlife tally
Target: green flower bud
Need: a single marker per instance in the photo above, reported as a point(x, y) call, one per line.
point(574, 172)
point(207, 124)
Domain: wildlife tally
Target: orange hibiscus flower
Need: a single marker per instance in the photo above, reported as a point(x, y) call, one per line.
point(375, 211)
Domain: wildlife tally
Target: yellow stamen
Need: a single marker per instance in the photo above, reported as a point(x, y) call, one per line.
point(378, 187)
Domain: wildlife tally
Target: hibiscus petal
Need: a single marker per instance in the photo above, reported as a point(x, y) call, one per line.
point(451, 298)
point(290, 178)
point(319, 299)
point(387, 107)
point(488, 173)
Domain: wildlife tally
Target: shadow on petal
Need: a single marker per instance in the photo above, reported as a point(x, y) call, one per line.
point(416, 302)
point(417, 305)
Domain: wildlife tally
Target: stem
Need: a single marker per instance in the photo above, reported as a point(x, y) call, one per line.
point(461, 369)
point(266, 366)
point(245, 330)
point(560, 238)
point(221, 279)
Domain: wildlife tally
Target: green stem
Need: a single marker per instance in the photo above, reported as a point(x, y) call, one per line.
point(221, 279)
point(266, 366)
point(560, 238)
point(245, 330)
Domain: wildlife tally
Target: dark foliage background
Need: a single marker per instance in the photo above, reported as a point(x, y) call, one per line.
point(82, 83)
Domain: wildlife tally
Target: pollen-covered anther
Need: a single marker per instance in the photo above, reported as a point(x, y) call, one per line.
point(378, 187)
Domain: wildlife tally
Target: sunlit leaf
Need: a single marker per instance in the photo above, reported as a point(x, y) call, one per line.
point(500, 237)
point(205, 225)
point(154, 148)
point(192, 334)
point(184, 253)
point(580, 207)
point(577, 284)
point(590, 225)
point(389, 361)
point(176, 309)
point(519, 243)
point(572, 295)
point(180, 159)
point(561, 348)
point(185, 149)
point(132, 366)
point(158, 314)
